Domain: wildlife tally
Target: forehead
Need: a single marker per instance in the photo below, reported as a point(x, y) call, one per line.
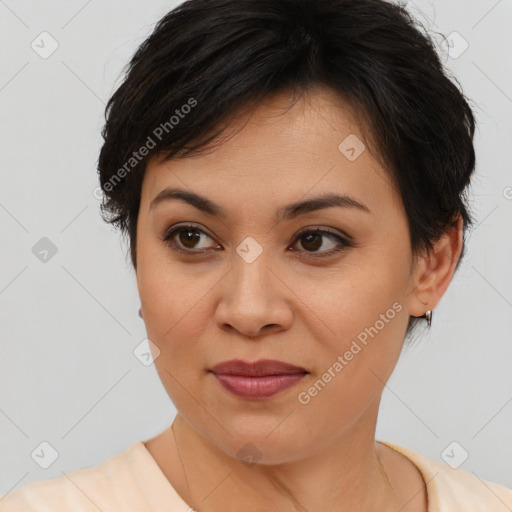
point(283, 147)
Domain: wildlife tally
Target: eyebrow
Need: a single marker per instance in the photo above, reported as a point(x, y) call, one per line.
point(290, 211)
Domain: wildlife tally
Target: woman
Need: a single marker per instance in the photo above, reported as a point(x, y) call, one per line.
point(291, 176)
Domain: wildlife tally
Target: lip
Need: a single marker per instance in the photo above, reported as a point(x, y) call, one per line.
point(261, 368)
point(257, 380)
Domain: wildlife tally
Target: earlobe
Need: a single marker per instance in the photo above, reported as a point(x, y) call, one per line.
point(435, 271)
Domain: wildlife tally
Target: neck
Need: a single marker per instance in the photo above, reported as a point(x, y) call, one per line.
point(344, 476)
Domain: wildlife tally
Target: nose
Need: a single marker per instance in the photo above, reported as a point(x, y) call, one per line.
point(254, 299)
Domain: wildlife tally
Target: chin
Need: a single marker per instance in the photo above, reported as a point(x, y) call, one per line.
point(253, 442)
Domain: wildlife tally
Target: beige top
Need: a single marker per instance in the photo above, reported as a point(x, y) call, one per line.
point(132, 481)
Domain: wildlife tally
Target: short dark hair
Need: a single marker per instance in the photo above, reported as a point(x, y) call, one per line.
point(205, 59)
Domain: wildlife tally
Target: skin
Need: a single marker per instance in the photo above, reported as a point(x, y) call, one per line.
point(287, 305)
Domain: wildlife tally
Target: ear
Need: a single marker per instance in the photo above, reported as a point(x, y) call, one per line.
point(434, 271)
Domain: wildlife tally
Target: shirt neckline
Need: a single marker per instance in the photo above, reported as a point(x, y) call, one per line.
point(161, 481)
point(426, 470)
point(157, 478)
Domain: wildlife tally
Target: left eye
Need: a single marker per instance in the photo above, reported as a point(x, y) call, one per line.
point(312, 240)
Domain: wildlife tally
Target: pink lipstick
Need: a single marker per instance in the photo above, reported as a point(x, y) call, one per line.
point(258, 380)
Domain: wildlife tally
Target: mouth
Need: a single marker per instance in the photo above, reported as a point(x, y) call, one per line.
point(257, 380)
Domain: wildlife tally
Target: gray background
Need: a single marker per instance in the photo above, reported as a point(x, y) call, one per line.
point(69, 326)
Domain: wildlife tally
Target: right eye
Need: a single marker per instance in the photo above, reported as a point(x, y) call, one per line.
point(187, 236)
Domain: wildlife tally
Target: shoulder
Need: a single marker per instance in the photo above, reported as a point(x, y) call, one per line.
point(452, 489)
point(128, 481)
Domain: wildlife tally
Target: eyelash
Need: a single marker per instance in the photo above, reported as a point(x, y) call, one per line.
point(168, 240)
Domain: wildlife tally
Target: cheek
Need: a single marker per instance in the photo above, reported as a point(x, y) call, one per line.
point(359, 336)
point(345, 300)
point(353, 370)
point(177, 314)
point(175, 319)
point(170, 291)
point(174, 324)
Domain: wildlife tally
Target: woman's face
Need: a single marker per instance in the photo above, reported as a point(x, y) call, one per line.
point(253, 284)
